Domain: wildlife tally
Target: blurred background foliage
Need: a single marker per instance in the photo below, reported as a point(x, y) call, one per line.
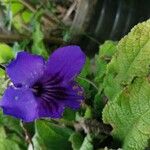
point(39, 27)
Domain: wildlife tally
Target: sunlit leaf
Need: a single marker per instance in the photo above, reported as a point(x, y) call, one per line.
point(6, 53)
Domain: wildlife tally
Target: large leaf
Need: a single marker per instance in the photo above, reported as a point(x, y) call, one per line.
point(51, 137)
point(128, 89)
point(131, 60)
point(129, 114)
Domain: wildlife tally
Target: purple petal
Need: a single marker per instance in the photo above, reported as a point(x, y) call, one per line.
point(55, 99)
point(50, 109)
point(25, 69)
point(75, 96)
point(19, 103)
point(67, 62)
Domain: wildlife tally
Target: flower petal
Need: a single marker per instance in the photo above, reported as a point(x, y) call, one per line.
point(20, 103)
point(25, 69)
point(75, 96)
point(51, 109)
point(67, 62)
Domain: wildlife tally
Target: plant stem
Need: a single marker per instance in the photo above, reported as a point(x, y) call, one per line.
point(88, 81)
point(27, 135)
point(10, 38)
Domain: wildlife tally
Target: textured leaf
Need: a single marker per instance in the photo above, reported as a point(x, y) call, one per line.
point(129, 114)
point(102, 59)
point(51, 137)
point(131, 60)
point(128, 89)
point(76, 139)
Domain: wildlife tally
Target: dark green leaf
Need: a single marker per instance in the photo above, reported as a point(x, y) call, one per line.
point(51, 137)
point(76, 139)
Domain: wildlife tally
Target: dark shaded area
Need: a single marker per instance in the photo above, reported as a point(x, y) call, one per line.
point(106, 20)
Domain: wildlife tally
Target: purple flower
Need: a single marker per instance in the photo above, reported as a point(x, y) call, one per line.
point(43, 89)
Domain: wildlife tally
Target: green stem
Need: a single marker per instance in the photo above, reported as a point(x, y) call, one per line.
point(88, 81)
point(27, 135)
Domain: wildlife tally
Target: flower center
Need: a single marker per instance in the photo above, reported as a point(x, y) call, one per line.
point(37, 89)
point(50, 89)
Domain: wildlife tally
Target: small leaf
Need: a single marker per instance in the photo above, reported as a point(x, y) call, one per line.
point(6, 53)
point(38, 45)
point(76, 139)
point(87, 143)
point(26, 16)
point(103, 58)
point(88, 113)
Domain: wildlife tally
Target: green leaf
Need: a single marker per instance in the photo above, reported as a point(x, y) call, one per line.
point(84, 73)
point(76, 139)
point(6, 53)
point(51, 137)
point(16, 7)
point(3, 84)
point(6, 143)
point(129, 114)
point(69, 114)
point(19, 140)
point(2, 75)
point(128, 89)
point(103, 58)
point(87, 143)
point(88, 113)
point(26, 16)
point(131, 60)
point(10, 123)
point(38, 45)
